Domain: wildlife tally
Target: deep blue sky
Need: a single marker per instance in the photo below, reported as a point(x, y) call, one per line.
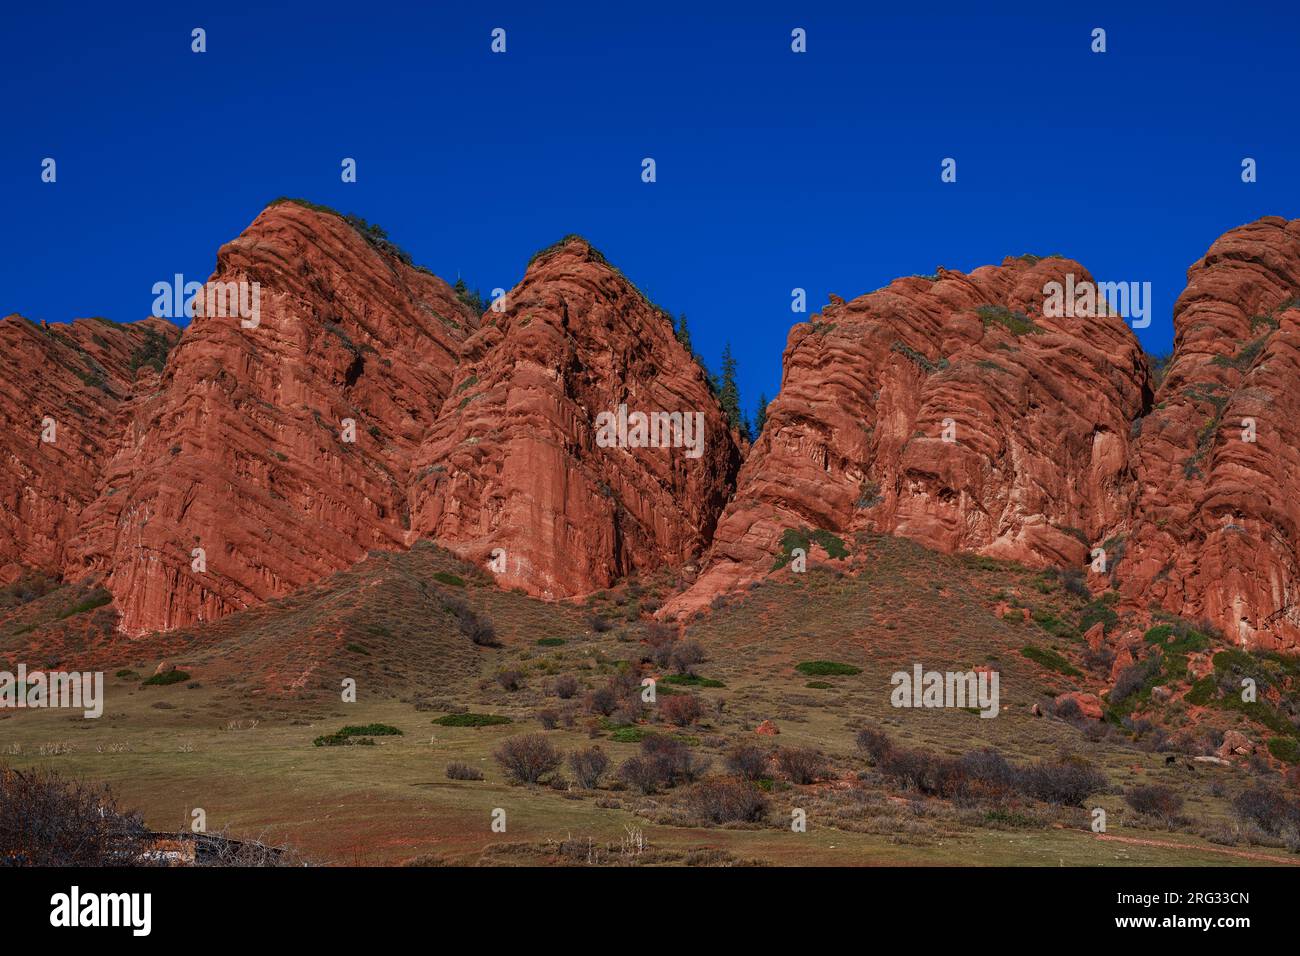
point(775, 170)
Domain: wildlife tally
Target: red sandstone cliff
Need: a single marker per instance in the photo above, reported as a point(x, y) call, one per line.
point(949, 410)
point(229, 481)
point(515, 462)
point(241, 452)
point(1216, 524)
point(75, 384)
point(1036, 411)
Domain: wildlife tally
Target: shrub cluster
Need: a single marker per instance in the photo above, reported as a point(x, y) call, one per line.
point(1268, 809)
point(527, 758)
point(1156, 800)
point(47, 821)
point(982, 776)
point(477, 627)
point(663, 762)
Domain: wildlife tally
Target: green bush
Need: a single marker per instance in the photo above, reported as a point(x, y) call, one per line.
point(162, 680)
point(1017, 323)
point(691, 680)
point(550, 641)
point(98, 598)
point(446, 577)
point(826, 668)
point(342, 740)
point(1285, 748)
point(470, 720)
point(628, 735)
point(359, 734)
point(804, 538)
point(1050, 659)
point(370, 730)
point(1202, 691)
point(1099, 611)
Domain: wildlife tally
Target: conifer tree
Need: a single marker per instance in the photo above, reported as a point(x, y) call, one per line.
point(684, 334)
point(729, 395)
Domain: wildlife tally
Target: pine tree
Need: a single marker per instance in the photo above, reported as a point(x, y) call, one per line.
point(684, 334)
point(760, 415)
point(729, 395)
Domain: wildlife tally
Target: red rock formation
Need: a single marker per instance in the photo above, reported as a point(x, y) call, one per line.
point(229, 480)
point(1038, 410)
point(83, 377)
point(952, 411)
point(515, 462)
point(1088, 706)
point(241, 453)
point(1217, 521)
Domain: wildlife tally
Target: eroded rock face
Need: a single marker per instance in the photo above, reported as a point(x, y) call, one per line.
point(64, 392)
point(241, 451)
point(1215, 523)
point(516, 462)
point(951, 411)
point(365, 407)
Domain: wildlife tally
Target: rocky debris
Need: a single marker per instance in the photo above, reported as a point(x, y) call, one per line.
point(1235, 744)
point(1087, 705)
point(1096, 636)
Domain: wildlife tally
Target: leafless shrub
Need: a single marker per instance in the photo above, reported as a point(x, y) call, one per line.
point(802, 765)
point(875, 744)
point(457, 770)
point(681, 709)
point(748, 761)
point(527, 758)
point(657, 634)
point(641, 774)
point(1156, 800)
point(602, 701)
point(684, 656)
point(510, 679)
point(477, 627)
point(588, 766)
point(1066, 783)
point(48, 821)
point(566, 685)
point(663, 762)
point(1132, 678)
point(674, 758)
point(217, 849)
point(1076, 583)
point(1267, 809)
point(723, 800)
